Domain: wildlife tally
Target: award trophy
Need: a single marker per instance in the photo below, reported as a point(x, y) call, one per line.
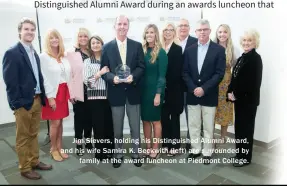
point(123, 71)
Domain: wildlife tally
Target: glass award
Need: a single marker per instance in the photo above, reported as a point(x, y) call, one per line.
point(123, 72)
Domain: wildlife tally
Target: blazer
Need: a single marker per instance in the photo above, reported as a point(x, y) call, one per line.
point(174, 83)
point(210, 76)
point(246, 80)
point(118, 94)
point(19, 78)
point(190, 41)
point(76, 76)
point(52, 73)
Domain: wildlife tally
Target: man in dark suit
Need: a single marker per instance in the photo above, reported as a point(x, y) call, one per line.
point(183, 30)
point(26, 94)
point(121, 95)
point(204, 68)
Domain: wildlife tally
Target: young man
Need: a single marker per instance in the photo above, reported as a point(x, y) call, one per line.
point(25, 92)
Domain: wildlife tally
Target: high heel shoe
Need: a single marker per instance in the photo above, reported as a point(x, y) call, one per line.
point(79, 150)
point(147, 152)
point(154, 151)
point(64, 155)
point(154, 157)
point(56, 156)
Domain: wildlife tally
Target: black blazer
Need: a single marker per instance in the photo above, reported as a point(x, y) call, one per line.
point(174, 82)
point(190, 41)
point(117, 94)
point(211, 74)
point(19, 78)
point(247, 82)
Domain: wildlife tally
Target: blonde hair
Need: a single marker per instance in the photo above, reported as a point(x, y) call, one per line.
point(254, 35)
point(230, 56)
point(85, 32)
point(48, 49)
point(157, 44)
point(175, 38)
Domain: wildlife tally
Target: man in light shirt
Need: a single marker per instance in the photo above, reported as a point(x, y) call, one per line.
point(204, 68)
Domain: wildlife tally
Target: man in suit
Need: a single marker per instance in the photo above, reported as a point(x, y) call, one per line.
point(185, 42)
point(26, 94)
point(124, 95)
point(204, 68)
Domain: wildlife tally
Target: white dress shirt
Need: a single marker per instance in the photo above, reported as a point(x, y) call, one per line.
point(183, 44)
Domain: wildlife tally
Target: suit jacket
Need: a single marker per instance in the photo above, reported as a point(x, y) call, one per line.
point(76, 84)
point(247, 82)
point(174, 87)
point(190, 41)
point(118, 94)
point(210, 76)
point(19, 78)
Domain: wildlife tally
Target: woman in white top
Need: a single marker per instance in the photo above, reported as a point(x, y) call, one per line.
point(56, 72)
point(101, 114)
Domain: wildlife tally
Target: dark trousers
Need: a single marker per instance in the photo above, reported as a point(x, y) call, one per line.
point(82, 123)
point(244, 129)
point(170, 127)
point(102, 123)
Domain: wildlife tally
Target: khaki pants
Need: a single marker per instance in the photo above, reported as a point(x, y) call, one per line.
point(197, 114)
point(27, 129)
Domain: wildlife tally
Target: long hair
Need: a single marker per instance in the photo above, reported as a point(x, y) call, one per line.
point(175, 38)
point(48, 49)
point(91, 52)
point(230, 57)
point(82, 31)
point(157, 44)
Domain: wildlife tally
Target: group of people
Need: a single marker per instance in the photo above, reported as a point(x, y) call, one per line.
point(170, 72)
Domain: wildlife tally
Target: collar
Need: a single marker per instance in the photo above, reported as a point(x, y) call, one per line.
point(27, 46)
point(184, 41)
point(206, 44)
point(249, 53)
point(119, 42)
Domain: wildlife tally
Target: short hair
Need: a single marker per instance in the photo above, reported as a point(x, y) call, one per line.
point(121, 16)
point(203, 22)
point(253, 34)
point(182, 19)
point(25, 20)
point(48, 48)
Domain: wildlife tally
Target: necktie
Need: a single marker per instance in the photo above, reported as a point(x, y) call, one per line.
point(123, 53)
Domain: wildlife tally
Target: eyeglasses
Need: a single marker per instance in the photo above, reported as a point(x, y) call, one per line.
point(204, 30)
point(168, 30)
point(181, 26)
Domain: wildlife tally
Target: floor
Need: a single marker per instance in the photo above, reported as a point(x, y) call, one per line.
point(263, 170)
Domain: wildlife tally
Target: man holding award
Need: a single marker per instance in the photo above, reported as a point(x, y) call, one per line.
point(125, 59)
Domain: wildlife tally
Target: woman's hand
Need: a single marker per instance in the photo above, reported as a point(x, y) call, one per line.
point(231, 96)
point(104, 70)
point(156, 100)
point(52, 103)
point(73, 100)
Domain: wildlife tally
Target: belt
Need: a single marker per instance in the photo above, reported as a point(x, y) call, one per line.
point(36, 96)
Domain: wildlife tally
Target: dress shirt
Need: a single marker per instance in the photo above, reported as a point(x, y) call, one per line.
point(201, 53)
point(183, 44)
point(31, 54)
point(122, 46)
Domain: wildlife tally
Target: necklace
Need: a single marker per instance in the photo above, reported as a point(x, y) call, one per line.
point(237, 67)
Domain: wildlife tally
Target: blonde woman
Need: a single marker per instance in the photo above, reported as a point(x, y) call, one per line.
point(224, 111)
point(153, 88)
point(82, 122)
point(173, 101)
point(56, 72)
point(244, 92)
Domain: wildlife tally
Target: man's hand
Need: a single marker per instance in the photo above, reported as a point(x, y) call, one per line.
point(116, 80)
point(198, 92)
point(129, 79)
point(231, 96)
point(52, 103)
